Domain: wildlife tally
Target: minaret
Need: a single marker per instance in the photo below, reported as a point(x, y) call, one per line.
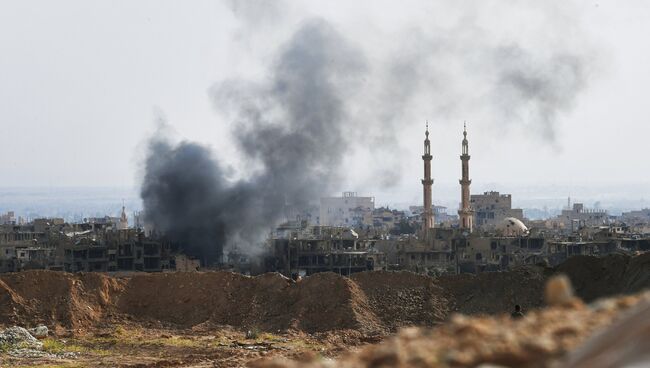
point(427, 214)
point(465, 212)
point(124, 221)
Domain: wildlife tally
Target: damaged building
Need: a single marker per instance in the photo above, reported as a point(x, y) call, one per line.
point(314, 249)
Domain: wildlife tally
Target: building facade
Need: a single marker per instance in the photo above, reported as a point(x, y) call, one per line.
point(347, 210)
point(491, 208)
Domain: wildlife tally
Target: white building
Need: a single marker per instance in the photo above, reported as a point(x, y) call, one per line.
point(347, 210)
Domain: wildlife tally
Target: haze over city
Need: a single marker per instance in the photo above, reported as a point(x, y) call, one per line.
point(86, 85)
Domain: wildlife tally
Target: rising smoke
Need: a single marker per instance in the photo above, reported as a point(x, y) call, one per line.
point(293, 127)
point(323, 102)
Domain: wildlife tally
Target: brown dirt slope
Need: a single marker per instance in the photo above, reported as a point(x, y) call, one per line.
point(268, 302)
point(592, 278)
point(56, 298)
point(183, 298)
point(372, 302)
point(12, 305)
point(403, 298)
point(595, 277)
point(327, 301)
point(494, 292)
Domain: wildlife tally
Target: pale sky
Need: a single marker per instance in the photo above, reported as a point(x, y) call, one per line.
point(83, 82)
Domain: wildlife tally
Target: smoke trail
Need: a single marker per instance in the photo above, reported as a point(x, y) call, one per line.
point(293, 127)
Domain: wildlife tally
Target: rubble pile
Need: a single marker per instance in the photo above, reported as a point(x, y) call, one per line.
point(18, 338)
point(18, 342)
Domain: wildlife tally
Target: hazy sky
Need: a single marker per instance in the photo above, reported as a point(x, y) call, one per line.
point(553, 92)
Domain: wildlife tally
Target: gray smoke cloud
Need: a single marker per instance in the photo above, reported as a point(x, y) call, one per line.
point(535, 91)
point(324, 102)
point(293, 127)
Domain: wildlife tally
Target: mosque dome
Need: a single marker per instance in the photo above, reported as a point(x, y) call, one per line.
point(511, 226)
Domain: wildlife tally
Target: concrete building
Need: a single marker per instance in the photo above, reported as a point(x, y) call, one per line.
point(386, 219)
point(492, 208)
point(8, 218)
point(494, 253)
point(32, 246)
point(443, 218)
point(183, 263)
point(116, 250)
point(440, 215)
point(465, 213)
point(578, 216)
point(347, 210)
point(640, 217)
point(427, 182)
point(324, 249)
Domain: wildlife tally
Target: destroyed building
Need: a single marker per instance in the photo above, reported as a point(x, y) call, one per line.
point(313, 249)
point(116, 250)
point(103, 246)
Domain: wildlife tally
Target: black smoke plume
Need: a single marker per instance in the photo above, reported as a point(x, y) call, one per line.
point(293, 126)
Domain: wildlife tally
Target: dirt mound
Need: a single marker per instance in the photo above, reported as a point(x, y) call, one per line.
point(56, 298)
point(371, 302)
point(265, 304)
point(322, 302)
point(595, 277)
point(12, 305)
point(327, 301)
point(494, 292)
point(592, 278)
point(637, 274)
point(268, 302)
point(182, 298)
point(403, 298)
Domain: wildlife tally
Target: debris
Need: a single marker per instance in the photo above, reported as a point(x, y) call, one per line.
point(18, 338)
point(39, 332)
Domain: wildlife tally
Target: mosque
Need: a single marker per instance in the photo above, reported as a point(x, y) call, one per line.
point(502, 216)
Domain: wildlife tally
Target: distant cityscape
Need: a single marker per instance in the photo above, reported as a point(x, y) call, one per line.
point(105, 230)
point(537, 202)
